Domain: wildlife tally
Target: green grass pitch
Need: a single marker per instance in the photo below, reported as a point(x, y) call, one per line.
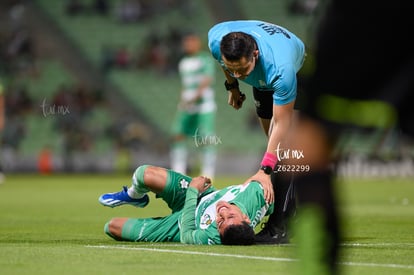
point(54, 225)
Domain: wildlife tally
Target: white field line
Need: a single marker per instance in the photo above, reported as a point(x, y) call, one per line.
point(192, 252)
point(373, 245)
point(276, 259)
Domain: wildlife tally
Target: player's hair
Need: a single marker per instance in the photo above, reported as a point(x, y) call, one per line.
point(235, 45)
point(238, 234)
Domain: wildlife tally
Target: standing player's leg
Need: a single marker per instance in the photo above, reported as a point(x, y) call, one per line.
point(206, 141)
point(318, 216)
point(179, 155)
point(179, 152)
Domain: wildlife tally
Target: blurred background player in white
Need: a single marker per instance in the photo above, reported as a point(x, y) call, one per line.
point(195, 118)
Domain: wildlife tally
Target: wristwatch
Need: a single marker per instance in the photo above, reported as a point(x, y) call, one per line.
point(230, 86)
point(267, 169)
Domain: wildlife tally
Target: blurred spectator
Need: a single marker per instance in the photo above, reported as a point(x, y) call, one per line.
point(44, 161)
point(161, 53)
point(13, 133)
point(122, 58)
point(78, 7)
point(132, 135)
point(17, 47)
point(74, 7)
point(17, 105)
point(101, 7)
point(84, 98)
point(19, 51)
point(158, 54)
point(128, 11)
point(16, 15)
point(63, 96)
point(115, 58)
point(107, 58)
point(175, 51)
point(18, 102)
point(78, 102)
point(303, 7)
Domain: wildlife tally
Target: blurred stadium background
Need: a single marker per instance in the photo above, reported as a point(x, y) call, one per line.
point(92, 86)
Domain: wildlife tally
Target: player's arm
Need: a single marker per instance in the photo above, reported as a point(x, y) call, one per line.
point(189, 233)
point(204, 84)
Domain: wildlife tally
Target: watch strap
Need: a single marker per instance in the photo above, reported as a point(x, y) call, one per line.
point(233, 85)
point(267, 169)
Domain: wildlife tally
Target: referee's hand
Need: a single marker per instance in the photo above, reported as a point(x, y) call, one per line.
point(236, 98)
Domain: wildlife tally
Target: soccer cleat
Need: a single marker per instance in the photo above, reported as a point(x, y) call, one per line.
point(122, 197)
point(273, 235)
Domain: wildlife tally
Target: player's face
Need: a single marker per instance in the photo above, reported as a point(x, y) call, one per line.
point(191, 44)
point(240, 68)
point(228, 214)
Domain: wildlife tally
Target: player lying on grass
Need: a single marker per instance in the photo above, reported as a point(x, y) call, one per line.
point(201, 214)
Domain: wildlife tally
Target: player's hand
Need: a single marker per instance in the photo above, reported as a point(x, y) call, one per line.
point(266, 183)
point(236, 98)
point(201, 183)
point(185, 105)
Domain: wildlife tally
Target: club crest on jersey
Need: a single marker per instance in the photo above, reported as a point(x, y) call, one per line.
point(206, 220)
point(184, 184)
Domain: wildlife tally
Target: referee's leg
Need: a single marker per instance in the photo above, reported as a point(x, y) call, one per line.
point(275, 229)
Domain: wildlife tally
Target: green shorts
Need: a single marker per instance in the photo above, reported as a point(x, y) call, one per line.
point(194, 124)
point(162, 229)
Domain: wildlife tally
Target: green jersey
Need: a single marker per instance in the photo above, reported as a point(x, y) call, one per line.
point(198, 221)
point(194, 69)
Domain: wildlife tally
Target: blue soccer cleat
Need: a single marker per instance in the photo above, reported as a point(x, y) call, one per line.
point(120, 198)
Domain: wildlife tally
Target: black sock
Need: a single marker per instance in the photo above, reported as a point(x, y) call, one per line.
point(285, 199)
